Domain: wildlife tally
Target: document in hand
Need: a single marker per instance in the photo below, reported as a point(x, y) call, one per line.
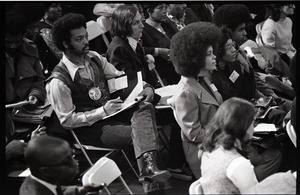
point(265, 128)
point(127, 87)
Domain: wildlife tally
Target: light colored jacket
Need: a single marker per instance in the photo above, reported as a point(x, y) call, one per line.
point(193, 108)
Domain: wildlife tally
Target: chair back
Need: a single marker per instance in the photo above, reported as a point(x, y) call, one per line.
point(258, 38)
point(104, 170)
point(196, 188)
point(94, 29)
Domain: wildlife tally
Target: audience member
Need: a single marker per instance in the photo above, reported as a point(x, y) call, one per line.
point(224, 167)
point(14, 150)
point(276, 30)
point(231, 81)
point(179, 15)
point(234, 17)
point(234, 77)
point(197, 100)
point(23, 77)
point(156, 40)
point(51, 165)
point(125, 52)
point(176, 14)
point(82, 71)
point(32, 12)
point(48, 52)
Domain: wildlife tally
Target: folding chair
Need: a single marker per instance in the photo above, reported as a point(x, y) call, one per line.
point(103, 172)
point(258, 38)
point(83, 148)
point(105, 27)
point(196, 188)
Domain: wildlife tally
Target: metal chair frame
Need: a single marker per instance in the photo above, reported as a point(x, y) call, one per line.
point(83, 148)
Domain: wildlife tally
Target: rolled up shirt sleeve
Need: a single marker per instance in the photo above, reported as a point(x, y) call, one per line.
point(60, 98)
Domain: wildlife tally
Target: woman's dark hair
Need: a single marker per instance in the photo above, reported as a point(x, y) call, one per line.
point(231, 15)
point(222, 42)
point(122, 19)
point(62, 28)
point(229, 124)
point(15, 24)
point(273, 11)
point(188, 49)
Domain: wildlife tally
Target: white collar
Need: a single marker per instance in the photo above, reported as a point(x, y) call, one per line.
point(132, 42)
point(46, 184)
point(72, 68)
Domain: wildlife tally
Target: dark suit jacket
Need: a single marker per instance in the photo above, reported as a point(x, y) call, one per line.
point(122, 56)
point(28, 78)
point(152, 38)
point(33, 187)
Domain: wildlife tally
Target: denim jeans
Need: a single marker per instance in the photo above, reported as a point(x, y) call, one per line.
point(137, 124)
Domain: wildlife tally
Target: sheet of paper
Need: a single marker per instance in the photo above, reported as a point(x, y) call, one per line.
point(265, 127)
point(130, 100)
point(115, 84)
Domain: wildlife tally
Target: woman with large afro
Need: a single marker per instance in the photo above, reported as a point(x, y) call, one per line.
point(197, 100)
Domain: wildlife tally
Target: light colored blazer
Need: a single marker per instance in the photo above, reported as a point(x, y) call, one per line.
point(193, 108)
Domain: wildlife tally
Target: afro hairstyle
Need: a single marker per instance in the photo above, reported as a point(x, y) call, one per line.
point(188, 49)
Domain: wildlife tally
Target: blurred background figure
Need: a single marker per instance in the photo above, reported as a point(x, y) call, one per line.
point(48, 52)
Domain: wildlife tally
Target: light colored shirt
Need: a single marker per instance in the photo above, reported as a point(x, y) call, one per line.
point(241, 172)
point(278, 34)
point(132, 42)
point(60, 95)
point(178, 22)
point(46, 184)
point(226, 171)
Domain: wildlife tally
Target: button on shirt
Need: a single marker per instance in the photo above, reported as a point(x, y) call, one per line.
point(60, 96)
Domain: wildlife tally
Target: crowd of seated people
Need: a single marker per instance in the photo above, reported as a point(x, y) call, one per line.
point(219, 74)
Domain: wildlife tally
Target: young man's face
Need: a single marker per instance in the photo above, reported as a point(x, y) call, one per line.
point(137, 26)
point(239, 35)
point(79, 43)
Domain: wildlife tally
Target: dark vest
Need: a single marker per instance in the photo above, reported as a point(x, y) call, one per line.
point(80, 87)
point(80, 95)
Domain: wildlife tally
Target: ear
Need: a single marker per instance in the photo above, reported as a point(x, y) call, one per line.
point(65, 44)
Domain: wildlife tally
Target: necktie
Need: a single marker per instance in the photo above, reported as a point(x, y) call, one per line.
point(139, 49)
point(58, 190)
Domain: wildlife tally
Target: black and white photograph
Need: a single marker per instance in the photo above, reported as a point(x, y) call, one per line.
point(149, 97)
